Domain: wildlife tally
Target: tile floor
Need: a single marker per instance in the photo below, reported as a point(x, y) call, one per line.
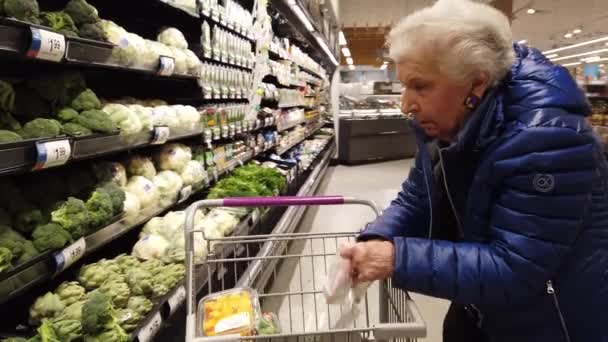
point(378, 182)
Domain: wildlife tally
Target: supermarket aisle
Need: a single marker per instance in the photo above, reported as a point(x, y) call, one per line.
point(378, 182)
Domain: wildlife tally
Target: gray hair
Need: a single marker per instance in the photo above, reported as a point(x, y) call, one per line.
point(461, 37)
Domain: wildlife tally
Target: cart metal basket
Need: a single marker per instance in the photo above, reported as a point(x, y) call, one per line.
point(289, 271)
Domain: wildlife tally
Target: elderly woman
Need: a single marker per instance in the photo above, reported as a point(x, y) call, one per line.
point(506, 210)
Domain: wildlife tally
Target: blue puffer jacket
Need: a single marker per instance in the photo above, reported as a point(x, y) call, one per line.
point(528, 182)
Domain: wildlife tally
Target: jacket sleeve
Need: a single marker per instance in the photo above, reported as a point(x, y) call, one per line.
point(542, 180)
point(408, 214)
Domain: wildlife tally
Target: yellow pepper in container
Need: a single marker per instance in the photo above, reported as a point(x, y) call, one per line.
point(229, 312)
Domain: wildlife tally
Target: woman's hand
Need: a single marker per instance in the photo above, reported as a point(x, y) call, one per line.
point(371, 260)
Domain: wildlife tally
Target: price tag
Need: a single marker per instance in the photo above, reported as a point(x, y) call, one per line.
point(185, 193)
point(161, 134)
point(166, 66)
point(70, 255)
point(208, 135)
point(176, 299)
point(46, 45)
point(52, 153)
point(149, 330)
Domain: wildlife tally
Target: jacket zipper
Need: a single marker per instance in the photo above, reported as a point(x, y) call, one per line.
point(551, 291)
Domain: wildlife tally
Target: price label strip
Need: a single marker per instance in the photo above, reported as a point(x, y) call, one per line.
point(166, 66)
point(148, 331)
point(70, 255)
point(46, 45)
point(176, 300)
point(161, 135)
point(52, 153)
point(185, 193)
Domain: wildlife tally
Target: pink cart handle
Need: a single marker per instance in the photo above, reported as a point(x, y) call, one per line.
point(282, 201)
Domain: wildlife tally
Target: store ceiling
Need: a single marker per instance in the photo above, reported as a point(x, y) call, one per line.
point(365, 24)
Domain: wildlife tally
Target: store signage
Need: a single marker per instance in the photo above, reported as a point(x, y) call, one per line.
point(46, 45)
point(52, 153)
point(176, 299)
point(70, 255)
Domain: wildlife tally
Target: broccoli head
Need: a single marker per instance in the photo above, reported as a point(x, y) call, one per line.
point(110, 265)
point(96, 120)
point(26, 10)
point(75, 130)
point(41, 128)
point(93, 275)
point(30, 105)
point(12, 240)
point(50, 236)
point(82, 12)
point(68, 330)
point(5, 259)
point(26, 219)
point(72, 215)
point(97, 313)
point(58, 21)
point(118, 291)
point(139, 281)
point(87, 100)
point(93, 31)
point(114, 334)
point(66, 114)
point(70, 292)
point(29, 252)
point(47, 306)
point(140, 304)
point(7, 96)
point(9, 137)
point(128, 319)
point(126, 262)
point(117, 194)
point(46, 332)
point(99, 206)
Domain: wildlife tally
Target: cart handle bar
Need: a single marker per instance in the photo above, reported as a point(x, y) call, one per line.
point(284, 201)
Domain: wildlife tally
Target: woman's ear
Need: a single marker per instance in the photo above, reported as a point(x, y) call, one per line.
point(481, 83)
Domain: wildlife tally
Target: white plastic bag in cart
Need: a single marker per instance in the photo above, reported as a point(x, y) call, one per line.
point(339, 287)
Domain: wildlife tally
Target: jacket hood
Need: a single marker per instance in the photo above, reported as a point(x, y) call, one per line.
point(536, 83)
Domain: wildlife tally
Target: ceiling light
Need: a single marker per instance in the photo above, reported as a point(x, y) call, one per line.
point(351, 67)
point(574, 46)
point(384, 66)
point(571, 64)
point(350, 61)
point(568, 35)
point(591, 59)
point(577, 31)
point(553, 55)
point(341, 38)
point(325, 48)
point(523, 41)
point(385, 62)
point(531, 11)
point(579, 55)
point(302, 16)
point(346, 52)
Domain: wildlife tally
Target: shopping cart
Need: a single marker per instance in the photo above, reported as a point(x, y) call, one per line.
point(288, 271)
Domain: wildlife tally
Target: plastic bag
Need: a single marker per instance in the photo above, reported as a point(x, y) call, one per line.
point(338, 282)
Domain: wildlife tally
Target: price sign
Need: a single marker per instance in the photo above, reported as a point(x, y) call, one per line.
point(185, 193)
point(46, 45)
point(149, 330)
point(70, 255)
point(166, 66)
point(161, 134)
point(52, 153)
point(176, 299)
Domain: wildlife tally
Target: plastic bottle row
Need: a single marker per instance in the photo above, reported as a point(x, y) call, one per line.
point(220, 82)
point(232, 14)
point(226, 47)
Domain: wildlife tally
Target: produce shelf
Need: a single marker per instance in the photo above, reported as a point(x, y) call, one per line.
point(169, 304)
point(224, 26)
point(43, 267)
point(282, 150)
point(218, 62)
point(20, 157)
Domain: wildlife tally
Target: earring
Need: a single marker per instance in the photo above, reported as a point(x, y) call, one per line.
point(472, 101)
